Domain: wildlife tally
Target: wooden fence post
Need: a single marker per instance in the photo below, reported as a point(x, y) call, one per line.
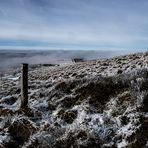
point(24, 85)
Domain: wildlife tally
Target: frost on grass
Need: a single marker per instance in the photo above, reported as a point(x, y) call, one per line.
point(81, 111)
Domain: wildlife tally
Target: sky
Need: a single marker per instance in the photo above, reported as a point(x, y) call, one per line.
point(74, 24)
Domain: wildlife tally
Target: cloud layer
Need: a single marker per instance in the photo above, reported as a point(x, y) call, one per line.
point(74, 23)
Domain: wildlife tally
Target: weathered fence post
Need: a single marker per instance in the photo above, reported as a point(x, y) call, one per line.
point(24, 85)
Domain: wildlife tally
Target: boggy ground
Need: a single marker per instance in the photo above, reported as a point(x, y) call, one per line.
point(100, 103)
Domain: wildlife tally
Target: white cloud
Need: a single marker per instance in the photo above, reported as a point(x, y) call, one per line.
point(74, 22)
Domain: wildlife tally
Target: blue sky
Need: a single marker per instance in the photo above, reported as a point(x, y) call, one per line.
point(74, 24)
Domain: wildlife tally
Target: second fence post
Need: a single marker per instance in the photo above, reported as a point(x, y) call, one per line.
point(24, 85)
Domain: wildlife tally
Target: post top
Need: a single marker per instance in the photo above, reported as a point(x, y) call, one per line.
point(24, 63)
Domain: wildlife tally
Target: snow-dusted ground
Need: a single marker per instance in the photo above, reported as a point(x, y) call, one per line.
point(100, 103)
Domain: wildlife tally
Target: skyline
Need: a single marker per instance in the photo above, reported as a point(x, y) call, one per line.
point(79, 24)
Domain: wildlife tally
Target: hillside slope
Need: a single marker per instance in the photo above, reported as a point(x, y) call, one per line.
point(100, 103)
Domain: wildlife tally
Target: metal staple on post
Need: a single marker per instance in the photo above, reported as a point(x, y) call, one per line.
point(24, 85)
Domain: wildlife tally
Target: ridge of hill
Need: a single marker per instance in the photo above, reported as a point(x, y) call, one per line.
point(99, 103)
